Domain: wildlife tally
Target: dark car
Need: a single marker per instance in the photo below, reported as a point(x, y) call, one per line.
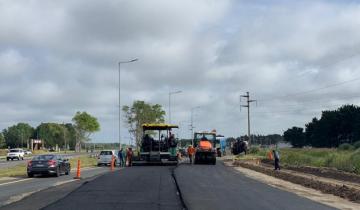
point(48, 164)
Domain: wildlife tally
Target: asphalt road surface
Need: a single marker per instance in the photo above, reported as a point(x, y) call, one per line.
point(202, 187)
point(133, 188)
point(208, 187)
point(15, 189)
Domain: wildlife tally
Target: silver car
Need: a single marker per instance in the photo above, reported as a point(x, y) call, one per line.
point(105, 157)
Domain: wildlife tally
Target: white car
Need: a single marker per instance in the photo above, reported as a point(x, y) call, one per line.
point(27, 152)
point(15, 154)
point(105, 157)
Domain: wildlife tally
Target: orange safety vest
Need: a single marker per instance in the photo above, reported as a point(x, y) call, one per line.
point(191, 150)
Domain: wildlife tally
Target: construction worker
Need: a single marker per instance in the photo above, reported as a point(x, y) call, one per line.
point(276, 156)
point(121, 158)
point(129, 156)
point(191, 152)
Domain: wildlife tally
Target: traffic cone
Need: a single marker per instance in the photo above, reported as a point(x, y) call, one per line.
point(78, 173)
point(112, 163)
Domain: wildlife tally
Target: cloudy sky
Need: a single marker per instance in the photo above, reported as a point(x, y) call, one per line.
point(295, 57)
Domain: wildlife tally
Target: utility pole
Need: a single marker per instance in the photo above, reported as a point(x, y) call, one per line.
point(248, 101)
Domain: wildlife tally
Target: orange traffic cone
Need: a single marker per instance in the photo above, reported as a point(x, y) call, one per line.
point(112, 163)
point(78, 170)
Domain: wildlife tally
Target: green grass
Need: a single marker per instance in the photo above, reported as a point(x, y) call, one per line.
point(3, 152)
point(20, 169)
point(85, 161)
point(345, 160)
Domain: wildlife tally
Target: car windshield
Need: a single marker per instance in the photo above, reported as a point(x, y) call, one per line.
point(105, 153)
point(44, 157)
point(14, 150)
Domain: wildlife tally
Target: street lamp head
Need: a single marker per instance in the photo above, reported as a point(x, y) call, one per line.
point(128, 61)
point(175, 92)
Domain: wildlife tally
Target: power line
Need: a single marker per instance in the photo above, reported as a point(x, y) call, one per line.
point(313, 90)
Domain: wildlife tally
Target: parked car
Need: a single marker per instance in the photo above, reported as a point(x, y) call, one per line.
point(27, 152)
point(49, 164)
point(15, 154)
point(105, 157)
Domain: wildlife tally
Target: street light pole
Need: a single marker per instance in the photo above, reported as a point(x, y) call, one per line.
point(122, 62)
point(64, 136)
point(191, 124)
point(171, 93)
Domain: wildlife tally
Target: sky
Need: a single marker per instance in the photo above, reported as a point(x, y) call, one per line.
point(296, 58)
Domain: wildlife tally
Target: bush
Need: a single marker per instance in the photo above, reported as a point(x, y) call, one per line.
point(356, 145)
point(254, 150)
point(346, 146)
point(355, 159)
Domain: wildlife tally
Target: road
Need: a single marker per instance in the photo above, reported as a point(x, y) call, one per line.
point(6, 164)
point(201, 186)
point(14, 189)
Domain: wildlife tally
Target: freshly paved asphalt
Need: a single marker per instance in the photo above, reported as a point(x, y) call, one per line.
point(202, 187)
point(219, 187)
point(133, 188)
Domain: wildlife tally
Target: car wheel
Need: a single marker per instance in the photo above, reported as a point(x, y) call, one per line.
point(22, 158)
point(7, 159)
point(30, 175)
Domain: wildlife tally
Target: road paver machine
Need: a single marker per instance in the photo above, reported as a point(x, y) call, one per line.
point(158, 145)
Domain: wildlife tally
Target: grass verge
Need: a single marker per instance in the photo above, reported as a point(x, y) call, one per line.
point(344, 160)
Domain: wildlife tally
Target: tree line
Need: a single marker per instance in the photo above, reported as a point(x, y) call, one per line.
point(258, 139)
point(335, 127)
point(52, 134)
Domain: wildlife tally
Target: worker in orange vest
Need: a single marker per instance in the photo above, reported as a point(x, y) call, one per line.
point(191, 152)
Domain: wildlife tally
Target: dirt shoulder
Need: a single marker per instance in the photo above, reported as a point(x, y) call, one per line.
point(326, 186)
point(312, 194)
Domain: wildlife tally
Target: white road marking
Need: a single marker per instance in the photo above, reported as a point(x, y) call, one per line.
point(21, 180)
point(26, 179)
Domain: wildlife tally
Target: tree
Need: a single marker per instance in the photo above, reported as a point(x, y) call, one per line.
point(139, 113)
point(2, 141)
point(295, 136)
point(70, 135)
point(335, 127)
point(85, 125)
point(18, 135)
point(51, 133)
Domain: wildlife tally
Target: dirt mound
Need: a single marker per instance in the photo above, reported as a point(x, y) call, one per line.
point(335, 189)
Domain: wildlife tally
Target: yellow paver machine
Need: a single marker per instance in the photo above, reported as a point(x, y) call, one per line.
point(158, 145)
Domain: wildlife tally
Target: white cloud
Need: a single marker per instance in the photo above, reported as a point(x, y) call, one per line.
point(59, 58)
